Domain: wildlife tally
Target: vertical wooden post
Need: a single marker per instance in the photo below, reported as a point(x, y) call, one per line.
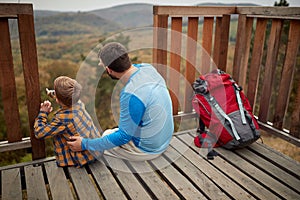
point(31, 76)
point(242, 48)
point(272, 53)
point(175, 61)
point(160, 36)
point(287, 74)
point(257, 52)
point(191, 54)
point(221, 41)
point(8, 85)
point(207, 33)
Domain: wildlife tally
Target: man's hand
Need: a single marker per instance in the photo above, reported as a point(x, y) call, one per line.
point(75, 143)
point(46, 107)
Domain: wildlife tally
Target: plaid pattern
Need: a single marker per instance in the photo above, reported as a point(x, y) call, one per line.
point(67, 122)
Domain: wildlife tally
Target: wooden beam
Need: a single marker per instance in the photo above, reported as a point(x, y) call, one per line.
point(221, 42)
point(268, 11)
point(191, 54)
point(272, 54)
point(279, 133)
point(175, 61)
point(193, 10)
point(31, 77)
point(15, 9)
point(23, 144)
point(242, 48)
point(160, 39)
point(207, 38)
point(287, 74)
point(257, 53)
point(8, 85)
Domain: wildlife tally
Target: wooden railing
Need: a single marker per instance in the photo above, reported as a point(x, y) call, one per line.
point(262, 63)
point(23, 13)
point(251, 58)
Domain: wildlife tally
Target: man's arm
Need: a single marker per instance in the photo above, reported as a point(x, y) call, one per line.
point(131, 112)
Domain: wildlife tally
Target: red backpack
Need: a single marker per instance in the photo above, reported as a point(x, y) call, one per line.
point(225, 111)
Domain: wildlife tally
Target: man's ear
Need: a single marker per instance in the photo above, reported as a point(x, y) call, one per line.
point(108, 70)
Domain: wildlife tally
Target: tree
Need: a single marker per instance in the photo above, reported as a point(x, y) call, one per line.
point(281, 3)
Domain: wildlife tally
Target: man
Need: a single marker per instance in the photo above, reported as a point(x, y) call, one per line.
point(146, 123)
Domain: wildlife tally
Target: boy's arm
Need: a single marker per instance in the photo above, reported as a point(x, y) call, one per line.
point(43, 129)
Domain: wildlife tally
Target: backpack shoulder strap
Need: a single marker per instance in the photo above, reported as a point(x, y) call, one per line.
point(221, 114)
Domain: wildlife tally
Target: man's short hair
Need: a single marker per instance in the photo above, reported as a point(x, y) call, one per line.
point(67, 90)
point(114, 55)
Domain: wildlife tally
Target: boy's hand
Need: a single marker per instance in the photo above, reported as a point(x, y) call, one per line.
point(75, 143)
point(46, 106)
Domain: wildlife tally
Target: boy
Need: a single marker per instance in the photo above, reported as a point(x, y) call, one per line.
point(70, 120)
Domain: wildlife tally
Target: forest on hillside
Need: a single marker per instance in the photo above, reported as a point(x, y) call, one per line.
point(66, 43)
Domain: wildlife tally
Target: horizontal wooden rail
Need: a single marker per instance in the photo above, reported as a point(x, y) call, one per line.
point(15, 9)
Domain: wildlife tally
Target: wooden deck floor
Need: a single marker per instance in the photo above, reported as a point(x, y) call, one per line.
point(183, 172)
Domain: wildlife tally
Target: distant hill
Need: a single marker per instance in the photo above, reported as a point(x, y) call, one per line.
point(128, 15)
point(55, 24)
point(100, 21)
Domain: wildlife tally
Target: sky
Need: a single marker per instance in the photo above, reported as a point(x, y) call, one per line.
point(88, 5)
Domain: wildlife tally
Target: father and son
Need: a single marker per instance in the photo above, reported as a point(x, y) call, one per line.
point(145, 124)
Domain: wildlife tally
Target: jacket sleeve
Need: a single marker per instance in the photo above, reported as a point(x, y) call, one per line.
point(43, 129)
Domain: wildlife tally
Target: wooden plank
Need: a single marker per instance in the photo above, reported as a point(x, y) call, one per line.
point(272, 53)
point(15, 8)
point(23, 144)
point(183, 187)
point(266, 180)
point(295, 116)
point(207, 36)
point(175, 61)
point(225, 25)
point(20, 165)
point(281, 160)
point(271, 169)
point(160, 39)
point(242, 48)
point(59, 185)
point(129, 182)
point(83, 185)
point(193, 10)
point(31, 77)
point(231, 188)
point(239, 50)
point(211, 190)
point(106, 182)
point(35, 185)
point(191, 54)
point(8, 85)
point(217, 41)
point(255, 188)
point(159, 188)
point(285, 85)
point(291, 17)
point(268, 10)
point(11, 184)
point(279, 133)
point(235, 174)
point(257, 53)
point(245, 58)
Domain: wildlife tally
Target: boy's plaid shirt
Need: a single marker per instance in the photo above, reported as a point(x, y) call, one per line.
point(67, 122)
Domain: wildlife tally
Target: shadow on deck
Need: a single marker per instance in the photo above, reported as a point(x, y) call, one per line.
point(183, 172)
